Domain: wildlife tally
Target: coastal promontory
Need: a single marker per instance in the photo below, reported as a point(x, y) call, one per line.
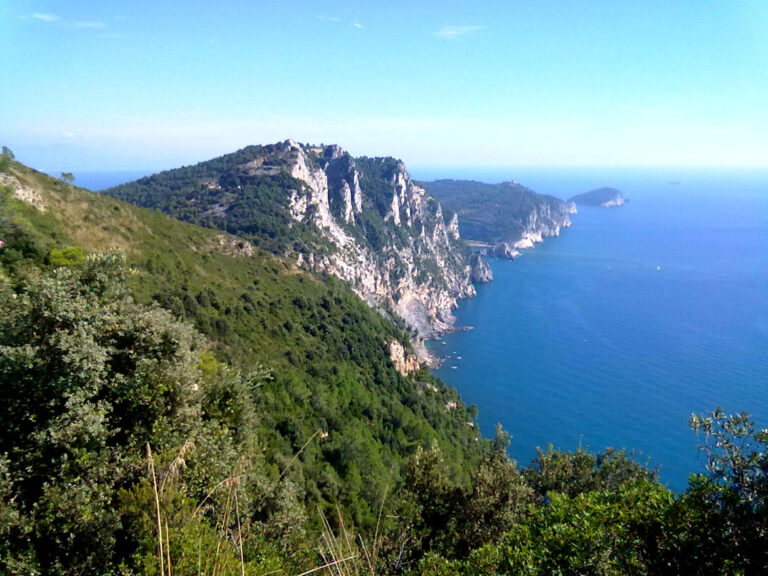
point(504, 218)
point(362, 220)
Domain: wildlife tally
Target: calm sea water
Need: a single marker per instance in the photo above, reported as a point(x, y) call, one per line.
point(106, 179)
point(615, 332)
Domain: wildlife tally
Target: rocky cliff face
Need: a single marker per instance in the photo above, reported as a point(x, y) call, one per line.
point(404, 362)
point(362, 220)
point(481, 272)
point(390, 241)
point(24, 193)
point(545, 220)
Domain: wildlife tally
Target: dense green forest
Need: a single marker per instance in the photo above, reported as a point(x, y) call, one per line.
point(230, 194)
point(315, 358)
point(220, 193)
point(177, 401)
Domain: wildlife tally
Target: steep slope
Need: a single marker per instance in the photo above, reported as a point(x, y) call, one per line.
point(362, 220)
point(92, 379)
point(335, 365)
point(504, 218)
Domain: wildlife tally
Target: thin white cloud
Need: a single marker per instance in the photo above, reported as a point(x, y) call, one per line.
point(453, 32)
point(45, 17)
point(358, 25)
point(89, 24)
point(78, 25)
point(68, 134)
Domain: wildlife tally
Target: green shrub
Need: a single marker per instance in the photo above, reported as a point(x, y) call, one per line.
point(70, 256)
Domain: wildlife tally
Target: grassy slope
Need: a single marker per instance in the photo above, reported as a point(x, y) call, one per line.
point(325, 348)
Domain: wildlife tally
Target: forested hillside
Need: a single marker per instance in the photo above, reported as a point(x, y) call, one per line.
point(362, 220)
point(177, 401)
point(312, 361)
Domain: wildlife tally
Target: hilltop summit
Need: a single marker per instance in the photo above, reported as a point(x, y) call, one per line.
point(362, 220)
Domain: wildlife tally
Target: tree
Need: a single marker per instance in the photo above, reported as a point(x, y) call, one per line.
point(6, 158)
point(69, 256)
point(735, 489)
point(498, 498)
point(67, 177)
point(89, 380)
point(87, 377)
point(574, 473)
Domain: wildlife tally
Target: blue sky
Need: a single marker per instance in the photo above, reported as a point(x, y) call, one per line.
point(90, 85)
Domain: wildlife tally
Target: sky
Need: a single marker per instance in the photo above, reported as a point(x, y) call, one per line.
point(100, 85)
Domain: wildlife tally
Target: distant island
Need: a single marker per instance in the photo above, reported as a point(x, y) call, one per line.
point(603, 197)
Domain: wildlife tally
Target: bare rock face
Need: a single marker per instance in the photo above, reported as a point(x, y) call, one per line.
point(404, 362)
point(24, 193)
point(481, 272)
point(541, 223)
point(506, 217)
point(403, 257)
point(453, 227)
point(505, 250)
point(234, 246)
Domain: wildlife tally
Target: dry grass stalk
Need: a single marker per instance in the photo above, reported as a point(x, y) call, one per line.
point(216, 564)
point(239, 536)
point(168, 549)
point(151, 464)
point(330, 565)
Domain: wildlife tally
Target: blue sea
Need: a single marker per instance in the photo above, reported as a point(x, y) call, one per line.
point(100, 180)
point(615, 332)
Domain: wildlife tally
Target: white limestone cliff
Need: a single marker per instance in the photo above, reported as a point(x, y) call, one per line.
point(419, 276)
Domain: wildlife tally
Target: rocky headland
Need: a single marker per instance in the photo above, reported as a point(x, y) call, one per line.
point(502, 219)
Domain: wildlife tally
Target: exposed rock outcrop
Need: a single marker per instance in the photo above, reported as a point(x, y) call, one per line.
point(234, 246)
point(414, 265)
point(481, 271)
point(544, 221)
point(362, 220)
point(24, 193)
point(404, 362)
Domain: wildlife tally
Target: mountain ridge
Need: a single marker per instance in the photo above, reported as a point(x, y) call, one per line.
point(121, 418)
point(363, 220)
point(324, 359)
